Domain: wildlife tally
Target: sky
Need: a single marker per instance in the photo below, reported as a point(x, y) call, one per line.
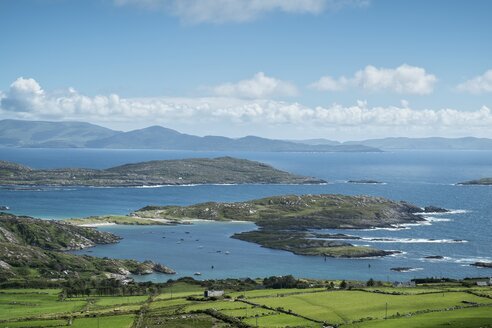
point(287, 69)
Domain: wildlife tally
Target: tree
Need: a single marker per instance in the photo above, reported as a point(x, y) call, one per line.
point(370, 283)
point(343, 284)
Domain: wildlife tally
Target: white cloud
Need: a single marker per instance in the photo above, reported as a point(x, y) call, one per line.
point(226, 115)
point(259, 86)
point(479, 84)
point(23, 95)
point(223, 11)
point(404, 79)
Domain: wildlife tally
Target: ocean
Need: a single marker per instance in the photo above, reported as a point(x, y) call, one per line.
point(419, 177)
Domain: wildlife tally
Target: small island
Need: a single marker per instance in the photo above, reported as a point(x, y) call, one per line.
point(287, 222)
point(402, 269)
point(478, 182)
point(483, 264)
point(34, 248)
point(221, 170)
point(434, 257)
point(365, 181)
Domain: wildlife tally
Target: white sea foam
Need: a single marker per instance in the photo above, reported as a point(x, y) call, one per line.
point(443, 213)
point(393, 228)
point(434, 219)
point(412, 240)
point(398, 253)
point(163, 185)
point(95, 225)
point(443, 259)
point(468, 260)
point(413, 270)
point(416, 224)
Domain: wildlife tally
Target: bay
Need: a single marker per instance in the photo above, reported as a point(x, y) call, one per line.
point(419, 177)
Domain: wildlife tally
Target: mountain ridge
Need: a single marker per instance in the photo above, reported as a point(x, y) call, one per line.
point(44, 134)
point(40, 134)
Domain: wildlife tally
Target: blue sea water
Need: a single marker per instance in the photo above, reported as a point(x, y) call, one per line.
point(419, 177)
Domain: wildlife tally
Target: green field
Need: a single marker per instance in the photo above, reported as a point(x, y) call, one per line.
point(180, 290)
point(346, 306)
point(35, 303)
point(422, 306)
point(471, 317)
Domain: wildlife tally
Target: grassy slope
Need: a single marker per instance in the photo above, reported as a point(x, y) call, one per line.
point(50, 235)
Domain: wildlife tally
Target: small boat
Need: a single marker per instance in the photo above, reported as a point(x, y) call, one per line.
point(227, 252)
point(197, 273)
point(4, 208)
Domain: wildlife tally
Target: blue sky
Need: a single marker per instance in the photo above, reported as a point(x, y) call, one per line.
point(236, 67)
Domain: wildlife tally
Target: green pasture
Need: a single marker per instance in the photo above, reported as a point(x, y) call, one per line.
point(35, 303)
point(469, 318)
point(346, 306)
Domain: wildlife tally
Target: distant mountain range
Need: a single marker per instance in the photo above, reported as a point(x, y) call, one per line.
point(34, 134)
point(402, 143)
point(39, 134)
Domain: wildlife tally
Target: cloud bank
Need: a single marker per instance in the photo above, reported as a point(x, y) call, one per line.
point(479, 84)
point(26, 99)
point(260, 86)
point(238, 11)
point(404, 79)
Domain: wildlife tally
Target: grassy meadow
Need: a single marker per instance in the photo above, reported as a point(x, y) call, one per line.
point(182, 305)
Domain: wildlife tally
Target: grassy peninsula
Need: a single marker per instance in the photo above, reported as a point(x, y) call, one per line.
point(32, 248)
point(221, 170)
point(285, 221)
point(293, 212)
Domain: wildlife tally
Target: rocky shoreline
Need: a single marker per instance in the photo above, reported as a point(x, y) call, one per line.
point(44, 246)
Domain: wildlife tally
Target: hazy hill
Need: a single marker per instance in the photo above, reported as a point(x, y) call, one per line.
point(35, 134)
point(17, 133)
point(39, 134)
point(319, 141)
point(157, 137)
point(434, 143)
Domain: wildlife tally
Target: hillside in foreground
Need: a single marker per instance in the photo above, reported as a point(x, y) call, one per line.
point(274, 302)
point(221, 170)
